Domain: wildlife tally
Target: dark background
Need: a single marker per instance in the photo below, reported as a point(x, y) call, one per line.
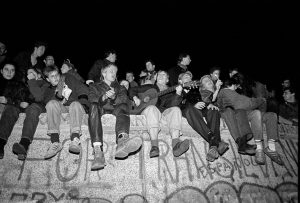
point(258, 37)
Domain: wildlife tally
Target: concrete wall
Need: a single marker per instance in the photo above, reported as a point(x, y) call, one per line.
point(189, 178)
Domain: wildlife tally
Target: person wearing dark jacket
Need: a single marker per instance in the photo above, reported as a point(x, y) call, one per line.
point(32, 112)
point(15, 96)
point(65, 95)
point(197, 105)
point(94, 74)
point(182, 66)
point(164, 111)
point(229, 97)
point(108, 96)
point(26, 60)
point(68, 67)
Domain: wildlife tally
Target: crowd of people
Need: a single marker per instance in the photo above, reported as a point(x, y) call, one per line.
point(32, 83)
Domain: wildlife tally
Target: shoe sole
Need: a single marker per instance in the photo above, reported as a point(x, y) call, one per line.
point(98, 167)
point(183, 148)
point(130, 147)
point(246, 153)
point(49, 157)
point(223, 149)
point(74, 150)
point(272, 159)
point(20, 151)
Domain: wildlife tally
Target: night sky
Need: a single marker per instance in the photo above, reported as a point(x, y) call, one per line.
point(256, 36)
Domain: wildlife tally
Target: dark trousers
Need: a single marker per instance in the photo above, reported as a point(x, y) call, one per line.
point(10, 116)
point(8, 119)
point(94, 121)
point(237, 122)
point(33, 111)
point(210, 131)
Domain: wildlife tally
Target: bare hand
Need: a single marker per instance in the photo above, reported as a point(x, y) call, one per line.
point(136, 100)
point(200, 105)
point(179, 89)
point(110, 94)
point(219, 83)
point(3, 100)
point(31, 74)
point(24, 105)
point(212, 107)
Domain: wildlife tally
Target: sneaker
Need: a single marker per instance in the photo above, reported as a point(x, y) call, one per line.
point(181, 147)
point(19, 150)
point(223, 147)
point(53, 149)
point(127, 146)
point(212, 154)
point(260, 157)
point(154, 152)
point(74, 146)
point(273, 155)
point(99, 159)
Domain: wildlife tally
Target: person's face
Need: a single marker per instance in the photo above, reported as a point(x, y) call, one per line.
point(8, 71)
point(2, 49)
point(187, 60)
point(49, 61)
point(287, 95)
point(186, 78)
point(149, 66)
point(53, 78)
point(110, 73)
point(112, 57)
point(129, 77)
point(65, 68)
point(162, 78)
point(208, 84)
point(285, 83)
point(215, 75)
point(40, 51)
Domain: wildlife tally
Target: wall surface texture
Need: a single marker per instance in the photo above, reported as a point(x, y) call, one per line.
point(190, 178)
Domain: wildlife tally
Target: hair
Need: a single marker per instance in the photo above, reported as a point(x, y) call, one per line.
point(233, 69)
point(228, 82)
point(185, 73)
point(149, 60)
point(10, 62)
point(214, 68)
point(131, 72)
point(48, 69)
point(291, 89)
point(40, 43)
point(181, 56)
point(164, 72)
point(68, 63)
point(109, 51)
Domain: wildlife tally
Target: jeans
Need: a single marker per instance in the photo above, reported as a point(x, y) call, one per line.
point(121, 112)
point(55, 109)
point(255, 119)
point(210, 131)
point(171, 116)
point(271, 121)
point(237, 122)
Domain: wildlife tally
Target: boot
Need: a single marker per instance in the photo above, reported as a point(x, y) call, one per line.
point(99, 160)
point(245, 148)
